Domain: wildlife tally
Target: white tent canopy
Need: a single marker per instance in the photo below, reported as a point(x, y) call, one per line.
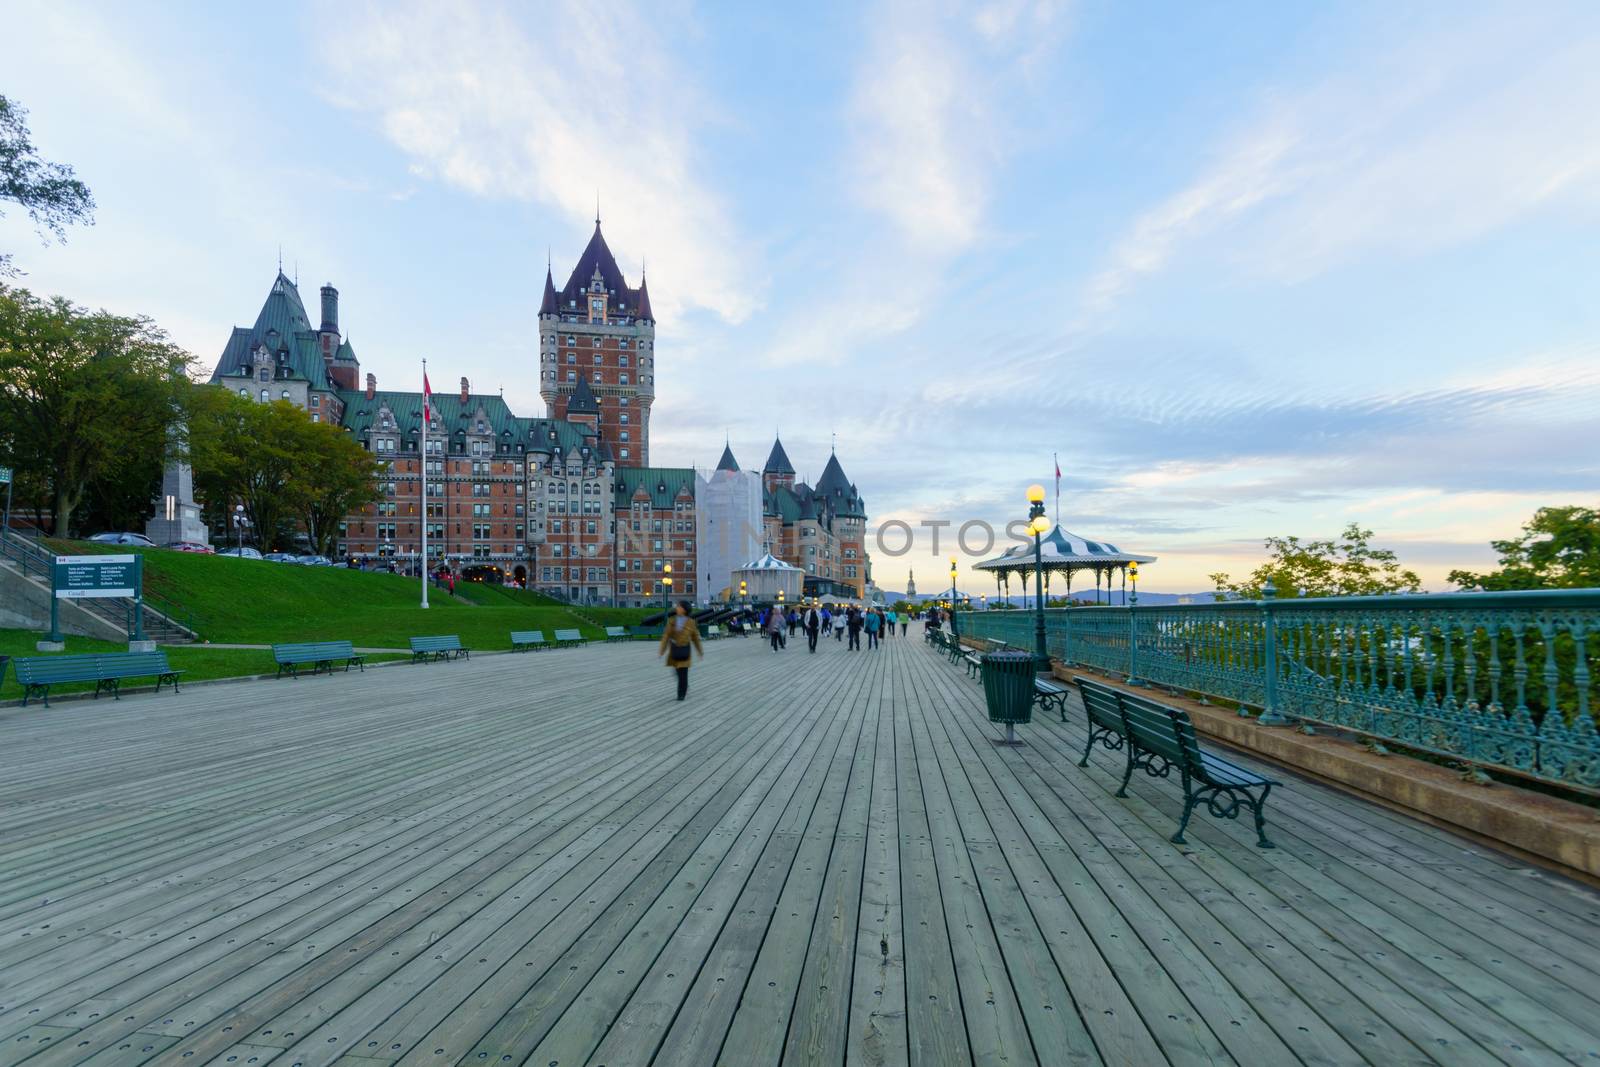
point(766, 576)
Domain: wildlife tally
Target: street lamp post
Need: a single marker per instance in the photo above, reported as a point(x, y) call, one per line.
point(1133, 626)
point(666, 587)
point(955, 630)
point(1038, 524)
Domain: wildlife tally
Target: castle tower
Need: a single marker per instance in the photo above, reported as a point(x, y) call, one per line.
point(599, 332)
point(777, 470)
point(911, 585)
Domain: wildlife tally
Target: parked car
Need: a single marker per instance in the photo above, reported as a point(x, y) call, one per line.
point(242, 553)
point(314, 561)
point(190, 546)
point(123, 538)
point(281, 557)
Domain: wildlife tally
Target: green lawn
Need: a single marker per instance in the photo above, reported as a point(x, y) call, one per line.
point(196, 661)
point(244, 601)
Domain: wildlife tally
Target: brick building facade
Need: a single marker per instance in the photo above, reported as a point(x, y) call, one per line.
point(567, 503)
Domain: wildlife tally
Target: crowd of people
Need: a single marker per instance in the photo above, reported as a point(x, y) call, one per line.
point(777, 623)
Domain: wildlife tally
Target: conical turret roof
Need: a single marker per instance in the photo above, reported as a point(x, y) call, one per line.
point(582, 401)
point(727, 462)
point(549, 305)
point(778, 460)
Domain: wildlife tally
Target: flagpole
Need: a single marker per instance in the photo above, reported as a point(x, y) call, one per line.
point(1057, 457)
point(423, 569)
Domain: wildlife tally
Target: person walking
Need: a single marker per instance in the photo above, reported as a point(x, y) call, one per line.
point(872, 624)
point(904, 622)
point(888, 618)
point(854, 622)
point(794, 620)
point(774, 627)
point(813, 625)
point(680, 635)
point(827, 621)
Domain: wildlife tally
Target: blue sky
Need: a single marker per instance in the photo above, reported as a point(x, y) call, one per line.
point(1250, 269)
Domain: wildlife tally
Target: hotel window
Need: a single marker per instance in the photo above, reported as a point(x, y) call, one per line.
point(316, 401)
point(571, 340)
point(624, 453)
point(624, 435)
point(244, 392)
point(572, 376)
point(622, 361)
point(284, 395)
point(623, 344)
point(265, 395)
point(623, 380)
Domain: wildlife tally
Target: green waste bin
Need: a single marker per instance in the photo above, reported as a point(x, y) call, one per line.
point(1008, 687)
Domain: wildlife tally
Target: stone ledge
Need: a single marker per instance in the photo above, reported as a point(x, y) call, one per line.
point(1535, 826)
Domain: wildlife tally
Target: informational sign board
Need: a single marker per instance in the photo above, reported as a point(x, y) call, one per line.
point(78, 577)
point(5, 475)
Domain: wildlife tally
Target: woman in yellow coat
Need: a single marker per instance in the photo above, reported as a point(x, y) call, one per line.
point(681, 632)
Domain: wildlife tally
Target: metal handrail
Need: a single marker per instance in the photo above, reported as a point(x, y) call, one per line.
point(1505, 680)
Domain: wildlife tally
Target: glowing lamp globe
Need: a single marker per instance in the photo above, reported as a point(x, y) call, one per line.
point(1036, 494)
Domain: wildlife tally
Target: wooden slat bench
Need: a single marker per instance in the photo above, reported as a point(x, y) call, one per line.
point(522, 640)
point(616, 633)
point(444, 646)
point(105, 669)
point(570, 637)
point(712, 632)
point(321, 655)
point(1158, 738)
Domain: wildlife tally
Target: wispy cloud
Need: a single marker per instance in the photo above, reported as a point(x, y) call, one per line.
point(595, 107)
point(927, 125)
point(1432, 144)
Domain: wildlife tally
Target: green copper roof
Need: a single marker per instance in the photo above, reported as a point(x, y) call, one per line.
point(662, 483)
point(283, 328)
point(458, 419)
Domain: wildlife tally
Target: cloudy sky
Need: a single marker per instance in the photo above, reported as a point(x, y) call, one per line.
point(1249, 269)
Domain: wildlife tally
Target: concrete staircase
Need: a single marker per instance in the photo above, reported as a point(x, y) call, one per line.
point(30, 562)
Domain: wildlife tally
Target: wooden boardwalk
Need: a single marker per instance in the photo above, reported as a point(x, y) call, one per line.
point(544, 859)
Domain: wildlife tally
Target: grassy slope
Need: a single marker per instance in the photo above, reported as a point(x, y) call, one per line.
point(243, 601)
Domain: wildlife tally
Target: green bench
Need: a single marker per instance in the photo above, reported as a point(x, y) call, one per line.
point(105, 669)
point(321, 655)
point(444, 646)
point(570, 637)
point(1158, 739)
point(617, 633)
point(522, 640)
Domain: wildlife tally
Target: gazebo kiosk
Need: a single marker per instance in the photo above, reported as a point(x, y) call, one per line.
point(1062, 553)
point(766, 577)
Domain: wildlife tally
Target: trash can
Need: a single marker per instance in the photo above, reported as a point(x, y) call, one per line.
point(1008, 688)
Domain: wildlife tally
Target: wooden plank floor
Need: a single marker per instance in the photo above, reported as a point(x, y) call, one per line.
point(545, 859)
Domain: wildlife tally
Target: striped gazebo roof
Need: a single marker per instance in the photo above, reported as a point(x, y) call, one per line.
point(768, 562)
point(1062, 550)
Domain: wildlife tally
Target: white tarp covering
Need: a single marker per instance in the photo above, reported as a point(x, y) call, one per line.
point(727, 528)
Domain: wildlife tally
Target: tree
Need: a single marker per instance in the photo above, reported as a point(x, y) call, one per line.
point(282, 467)
point(1349, 566)
point(1559, 549)
point(51, 193)
point(86, 397)
point(336, 477)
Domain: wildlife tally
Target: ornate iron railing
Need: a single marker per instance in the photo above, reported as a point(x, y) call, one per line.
point(1506, 681)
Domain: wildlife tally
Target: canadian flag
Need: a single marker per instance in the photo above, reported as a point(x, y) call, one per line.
point(427, 399)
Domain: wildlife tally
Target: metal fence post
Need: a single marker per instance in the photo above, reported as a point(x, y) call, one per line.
point(1270, 716)
point(1133, 639)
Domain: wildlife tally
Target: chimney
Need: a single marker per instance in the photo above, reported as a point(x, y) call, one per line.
point(372, 386)
point(330, 309)
point(466, 390)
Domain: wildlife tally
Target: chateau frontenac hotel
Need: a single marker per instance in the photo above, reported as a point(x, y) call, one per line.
point(567, 503)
